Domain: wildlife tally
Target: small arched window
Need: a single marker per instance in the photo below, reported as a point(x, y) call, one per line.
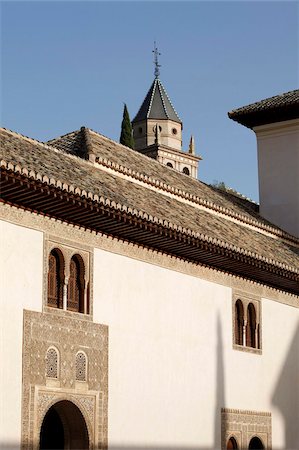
point(169, 165)
point(256, 444)
point(81, 366)
point(186, 171)
point(232, 444)
point(239, 321)
point(75, 297)
point(52, 363)
point(55, 279)
point(251, 326)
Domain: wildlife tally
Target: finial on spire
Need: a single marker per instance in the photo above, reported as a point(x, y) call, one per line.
point(192, 146)
point(156, 61)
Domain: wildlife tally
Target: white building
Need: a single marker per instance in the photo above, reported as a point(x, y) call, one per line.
point(142, 308)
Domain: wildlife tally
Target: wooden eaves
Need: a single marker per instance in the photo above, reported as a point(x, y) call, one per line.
point(103, 215)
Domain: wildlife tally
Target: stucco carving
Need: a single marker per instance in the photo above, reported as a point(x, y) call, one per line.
point(69, 335)
point(82, 238)
point(244, 425)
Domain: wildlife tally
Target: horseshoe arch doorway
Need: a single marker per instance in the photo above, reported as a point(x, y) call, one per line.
point(64, 427)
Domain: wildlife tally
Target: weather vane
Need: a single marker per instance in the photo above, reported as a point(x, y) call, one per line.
point(156, 62)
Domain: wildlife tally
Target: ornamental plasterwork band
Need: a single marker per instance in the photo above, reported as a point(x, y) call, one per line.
point(244, 425)
point(39, 392)
point(78, 235)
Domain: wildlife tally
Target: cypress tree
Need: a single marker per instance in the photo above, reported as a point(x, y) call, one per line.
point(126, 135)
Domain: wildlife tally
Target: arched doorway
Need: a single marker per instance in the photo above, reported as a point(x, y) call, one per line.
point(64, 427)
point(232, 444)
point(255, 444)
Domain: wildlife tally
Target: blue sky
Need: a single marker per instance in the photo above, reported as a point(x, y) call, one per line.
point(68, 64)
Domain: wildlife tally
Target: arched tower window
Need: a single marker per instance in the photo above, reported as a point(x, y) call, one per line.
point(55, 279)
point(81, 366)
point(186, 171)
point(239, 321)
point(251, 326)
point(75, 297)
point(255, 444)
point(232, 444)
point(52, 363)
point(169, 165)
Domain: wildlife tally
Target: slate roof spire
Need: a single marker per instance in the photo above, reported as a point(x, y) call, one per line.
point(157, 105)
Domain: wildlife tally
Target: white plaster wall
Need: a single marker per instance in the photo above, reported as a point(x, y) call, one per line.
point(278, 162)
point(20, 287)
point(171, 362)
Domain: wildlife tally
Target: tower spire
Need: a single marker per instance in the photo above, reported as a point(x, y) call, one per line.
point(156, 61)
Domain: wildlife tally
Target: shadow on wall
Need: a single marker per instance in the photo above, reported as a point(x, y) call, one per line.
point(220, 387)
point(286, 394)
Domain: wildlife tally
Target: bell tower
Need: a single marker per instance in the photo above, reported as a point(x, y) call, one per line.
point(157, 129)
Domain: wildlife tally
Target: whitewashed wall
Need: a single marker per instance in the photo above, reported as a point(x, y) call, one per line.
point(278, 165)
point(20, 287)
point(171, 362)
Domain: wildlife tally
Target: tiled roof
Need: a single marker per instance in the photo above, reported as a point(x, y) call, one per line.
point(270, 110)
point(192, 205)
point(157, 105)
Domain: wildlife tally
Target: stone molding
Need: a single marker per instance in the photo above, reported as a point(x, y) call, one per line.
point(68, 335)
point(243, 425)
point(91, 239)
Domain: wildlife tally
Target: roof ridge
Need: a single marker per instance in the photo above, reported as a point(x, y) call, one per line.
point(197, 200)
point(160, 88)
point(45, 145)
point(152, 97)
point(168, 98)
point(143, 215)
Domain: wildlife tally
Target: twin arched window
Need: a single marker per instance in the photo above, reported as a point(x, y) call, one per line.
point(74, 287)
point(75, 290)
point(52, 364)
point(247, 329)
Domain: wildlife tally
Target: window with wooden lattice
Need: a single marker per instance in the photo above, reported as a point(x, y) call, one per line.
point(55, 279)
point(247, 323)
point(75, 298)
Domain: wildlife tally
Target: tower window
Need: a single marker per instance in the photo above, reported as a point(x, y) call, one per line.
point(251, 326)
point(140, 130)
point(75, 299)
point(239, 322)
point(186, 171)
point(55, 279)
point(169, 165)
point(174, 131)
